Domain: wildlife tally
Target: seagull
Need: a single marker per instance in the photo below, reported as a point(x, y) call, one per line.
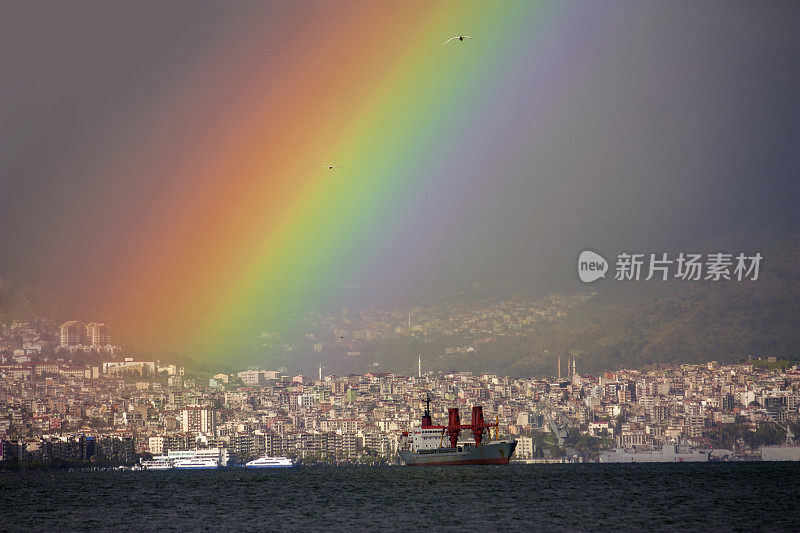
point(460, 38)
point(330, 167)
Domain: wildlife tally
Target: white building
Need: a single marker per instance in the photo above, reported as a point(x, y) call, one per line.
point(97, 334)
point(70, 334)
point(156, 445)
point(306, 400)
point(252, 378)
point(128, 365)
point(524, 447)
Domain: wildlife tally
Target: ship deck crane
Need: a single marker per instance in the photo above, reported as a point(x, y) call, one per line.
point(478, 426)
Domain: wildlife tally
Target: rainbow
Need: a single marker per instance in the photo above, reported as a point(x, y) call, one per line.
point(249, 225)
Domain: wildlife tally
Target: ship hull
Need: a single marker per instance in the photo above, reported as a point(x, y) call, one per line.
point(498, 453)
point(780, 453)
point(668, 454)
point(196, 465)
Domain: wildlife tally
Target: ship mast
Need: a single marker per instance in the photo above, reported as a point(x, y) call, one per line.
point(426, 418)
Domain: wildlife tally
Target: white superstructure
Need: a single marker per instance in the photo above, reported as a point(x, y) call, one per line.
point(269, 462)
point(220, 455)
point(197, 462)
point(433, 437)
point(159, 462)
point(203, 458)
point(427, 438)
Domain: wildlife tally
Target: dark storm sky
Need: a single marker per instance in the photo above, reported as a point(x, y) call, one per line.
point(682, 127)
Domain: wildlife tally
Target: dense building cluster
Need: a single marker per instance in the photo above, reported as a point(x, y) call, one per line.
point(23, 341)
point(119, 411)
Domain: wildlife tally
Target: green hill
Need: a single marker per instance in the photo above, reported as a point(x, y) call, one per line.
point(697, 321)
point(635, 324)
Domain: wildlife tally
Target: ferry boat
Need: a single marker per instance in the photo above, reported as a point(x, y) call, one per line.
point(159, 462)
point(201, 458)
point(269, 462)
point(424, 446)
point(197, 463)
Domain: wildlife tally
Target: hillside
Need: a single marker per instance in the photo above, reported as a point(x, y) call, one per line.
point(636, 325)
point(626, 325)
point(19, 302)
point(700, 321)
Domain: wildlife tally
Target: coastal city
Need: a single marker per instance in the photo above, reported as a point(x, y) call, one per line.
point(124, 411)
point(419, 266)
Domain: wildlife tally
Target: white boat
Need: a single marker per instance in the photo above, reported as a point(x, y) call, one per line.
point(197, 462)
point(201, 458)
point(159, 462)
point(269, 462)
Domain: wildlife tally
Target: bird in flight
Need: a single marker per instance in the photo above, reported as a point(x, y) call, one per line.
point(460, 38)
point(331, 167)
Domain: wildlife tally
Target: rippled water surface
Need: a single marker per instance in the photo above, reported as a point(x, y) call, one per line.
point(721, 496)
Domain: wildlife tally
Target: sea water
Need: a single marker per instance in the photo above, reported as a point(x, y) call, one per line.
point(689, 497)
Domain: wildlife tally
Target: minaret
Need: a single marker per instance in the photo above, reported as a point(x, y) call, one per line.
point(320, 371)
point(409, 322)
point(559, 367)
point(419, 366)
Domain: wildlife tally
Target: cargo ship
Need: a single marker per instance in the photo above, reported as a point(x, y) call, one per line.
point(425, 445)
